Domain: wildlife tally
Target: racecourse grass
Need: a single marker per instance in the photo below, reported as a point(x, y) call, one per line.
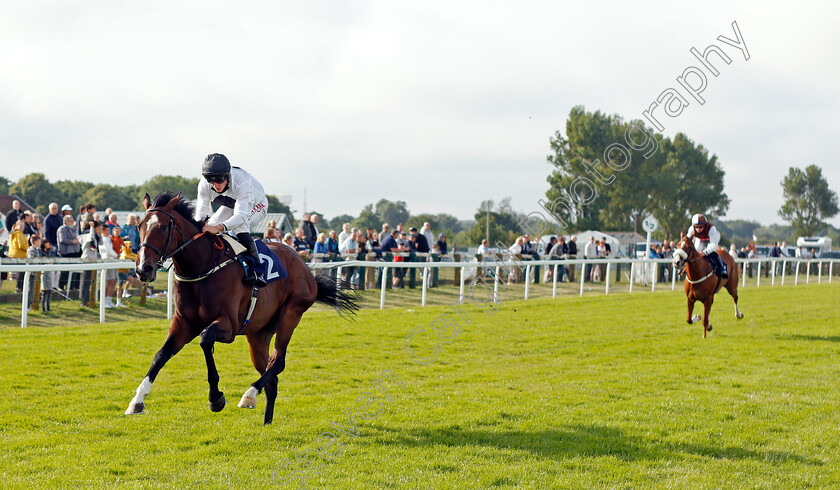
point(601, 391)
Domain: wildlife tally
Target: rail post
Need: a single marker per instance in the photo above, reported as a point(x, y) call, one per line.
point(170, 285)
point(425, 279)
point(102, 295)
point(744, 274)
point(632, 275)
point(582, 277)
point(384, 286)
point(784, 269)
point(554, 279)
point(674, 273)
point(24, 307)
point(527, 279)
point(607, 279)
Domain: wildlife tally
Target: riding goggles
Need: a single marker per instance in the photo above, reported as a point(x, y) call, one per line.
point(216, 179)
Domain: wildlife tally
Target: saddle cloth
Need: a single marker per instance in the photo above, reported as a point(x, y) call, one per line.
point(270, 265)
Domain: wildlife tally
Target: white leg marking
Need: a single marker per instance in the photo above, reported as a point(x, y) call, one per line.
point(142, 392)
point(738, 313)
point(249, 399)
point(696, 318)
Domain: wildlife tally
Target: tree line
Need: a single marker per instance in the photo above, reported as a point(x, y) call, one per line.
point(678, 180)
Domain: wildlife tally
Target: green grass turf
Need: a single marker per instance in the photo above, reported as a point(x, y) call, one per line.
point(602, 391)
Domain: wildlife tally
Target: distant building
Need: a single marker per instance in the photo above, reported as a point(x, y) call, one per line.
point(6, 205)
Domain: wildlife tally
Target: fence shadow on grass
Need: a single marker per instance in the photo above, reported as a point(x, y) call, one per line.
point(588, 441)
point(815, 338)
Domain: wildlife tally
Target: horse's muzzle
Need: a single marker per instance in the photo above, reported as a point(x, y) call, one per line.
point(146, 272)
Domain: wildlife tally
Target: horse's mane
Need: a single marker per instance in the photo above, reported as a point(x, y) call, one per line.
point(184, 207)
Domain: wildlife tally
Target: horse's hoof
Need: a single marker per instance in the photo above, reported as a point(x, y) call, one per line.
point(739, 315)
point(249, 399)
point(218, 405)
point(709, 328)
point(136, 408)
point(695, 319)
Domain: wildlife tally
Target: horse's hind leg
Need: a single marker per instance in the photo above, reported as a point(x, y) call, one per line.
point(258, 342)
point(707, 306)
point(289, 319)
point(732, 287)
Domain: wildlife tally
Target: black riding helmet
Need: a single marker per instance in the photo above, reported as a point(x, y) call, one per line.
point(215, 166)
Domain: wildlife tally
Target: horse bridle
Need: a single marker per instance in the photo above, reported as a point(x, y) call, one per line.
point(688, 261)
point(162, 256)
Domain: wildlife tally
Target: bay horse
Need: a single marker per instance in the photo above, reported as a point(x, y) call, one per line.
point(211, 301)
point(701, 282)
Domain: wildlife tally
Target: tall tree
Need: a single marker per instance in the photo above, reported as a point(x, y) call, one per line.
point(111, 196)
point(689, 182)
point(37, 191)
point(391, 212)
point(73, 192)
point(808, 200)
point(336, 222)
point(161, 183)
point(4, 185)
point(587, 135)
point(367, 219)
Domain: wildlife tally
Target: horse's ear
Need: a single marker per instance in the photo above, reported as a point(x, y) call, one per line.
point(147, 201)
point(171, 204)
point(682, 235)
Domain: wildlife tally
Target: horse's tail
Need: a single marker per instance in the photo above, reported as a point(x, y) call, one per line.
point(344, 301)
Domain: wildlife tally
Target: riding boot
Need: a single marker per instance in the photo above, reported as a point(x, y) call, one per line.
point(252, 276)
point(720, 267)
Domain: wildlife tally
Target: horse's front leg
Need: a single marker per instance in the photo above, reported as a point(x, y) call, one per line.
point(179, 335)
point(690, 319)
point(207, 340)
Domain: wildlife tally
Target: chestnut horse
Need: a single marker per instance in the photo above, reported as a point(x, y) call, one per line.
point(211, 301)
point(701, 282)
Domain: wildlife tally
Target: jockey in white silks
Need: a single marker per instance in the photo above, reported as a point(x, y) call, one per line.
point(706, 238)
point(241, 199)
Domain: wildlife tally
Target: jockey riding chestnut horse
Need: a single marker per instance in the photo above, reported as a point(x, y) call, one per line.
point(706, 238)
point(704, 278)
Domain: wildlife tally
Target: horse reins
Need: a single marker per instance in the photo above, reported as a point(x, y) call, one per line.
point(163, 257)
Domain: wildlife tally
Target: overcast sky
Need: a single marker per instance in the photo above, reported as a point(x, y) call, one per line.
point(439, 104)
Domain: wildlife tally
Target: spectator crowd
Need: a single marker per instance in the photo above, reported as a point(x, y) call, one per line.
point(89, 235)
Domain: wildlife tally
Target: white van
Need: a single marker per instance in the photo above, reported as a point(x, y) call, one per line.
point(805, 245)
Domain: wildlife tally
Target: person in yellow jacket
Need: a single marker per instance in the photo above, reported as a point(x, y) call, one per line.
point(18, 244)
